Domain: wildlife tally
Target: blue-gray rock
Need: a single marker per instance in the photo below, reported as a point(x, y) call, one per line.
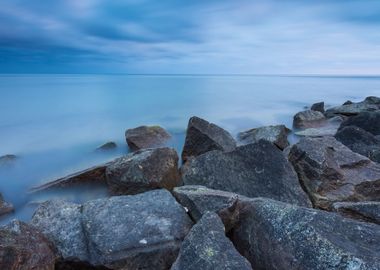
point(319, 107)
point(107, 146)
point(309, 119)
point(7, 160)
point(328, 128)
point(369, 121)
point(146, 137)
point(365, 211)
point(5, 207)
point(275, 134)
point(350, 108)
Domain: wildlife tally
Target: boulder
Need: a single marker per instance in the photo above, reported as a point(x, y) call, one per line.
point(331, 172)
point(5, 207)
point(7, 160)
point(275, 134)
point(254, 170)
point(144, 170)
point(369, 121)
point(202, 137)
point(22, 247)
point(274, 235)
point(319, 107)
point(146, 137)
point(107, 146)
point(328, 128)
point(360, 141)
point(206, 247)
point(365, 211)
point(350, 108)
point(309, 119)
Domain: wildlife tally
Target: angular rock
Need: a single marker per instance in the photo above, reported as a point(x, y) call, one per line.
point(319, 107)
point(308, 119)
point(331, 172)
point(22, 247)
point(328, 128)
point(5, 207)
point(360, 141)
point(275, 134)
point(369, 121)
point(254, 170)
point(146, 137)
point(349, 108)
point(206, 247)
point(202, 137)
point(365, 211)
point(277, 236)
point(107, 146)
point(144, 170)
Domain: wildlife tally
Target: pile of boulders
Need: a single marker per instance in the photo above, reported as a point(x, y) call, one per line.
point(252, 203)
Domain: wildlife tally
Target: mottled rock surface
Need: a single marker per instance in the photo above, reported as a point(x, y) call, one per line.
point(5, 207)
point(275, 134)
point(146, 137)
point(369, 121)
point(308, 119)
point(350, 108)
point(319, 107)
point(365, 211)
point(328, 128)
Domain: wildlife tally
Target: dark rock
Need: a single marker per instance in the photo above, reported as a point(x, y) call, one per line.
point(365, 211)
point(254, 170)
point(360, 141)
point(5, 207)
point(319, 107)
point(7, 160)
point(146, 137)
point(22, 247)
point(144, 170)
point(328, 128)
point(206, 247)
point(309, 119)
point(107, 146)
point(202, 137)
point(275, 134)
point(349, 108)
point(331, 172)
point(277, 236)
point(77, 265)
point(369, 121)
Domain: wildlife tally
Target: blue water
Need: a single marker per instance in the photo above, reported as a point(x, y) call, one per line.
point(54, 122)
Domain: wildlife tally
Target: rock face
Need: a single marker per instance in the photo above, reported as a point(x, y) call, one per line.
point(206, 247)
point(276, 236)
point(275, 134)
point(23, 248)
point(328, 128)
point(308, 119)
point(146, 137)
point(349, 108)
point(144, 170)
point(369, 121)
point(331, 172)
point(107, 146)
point(360, 141)
point(365, 211)
point(254, 170)
point(319, 107)
point(5, 207)
point(202, 137)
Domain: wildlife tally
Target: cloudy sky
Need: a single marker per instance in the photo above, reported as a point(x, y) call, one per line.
point(190, 37)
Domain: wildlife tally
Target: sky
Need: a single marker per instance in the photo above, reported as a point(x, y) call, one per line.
point(327, 37)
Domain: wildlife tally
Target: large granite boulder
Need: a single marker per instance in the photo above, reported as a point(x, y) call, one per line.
point(275, 134)
point(5, 207)
point(308, 119)
point(144, 170)
point(206, 247)
point(254, 170)
point(365, 211)
point(369, 121)
point(202, 137)
point(331, 172)
point(360, 141)
point(350, 108)
point(146, 137)
point(277, 236)
point(22, 247)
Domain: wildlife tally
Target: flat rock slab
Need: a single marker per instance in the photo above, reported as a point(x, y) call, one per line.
point(351, 108)
point(369, 121)
point(331, 172)
point(254, 170)
point(365, 211)
point(5, 207)
point(277, 236)
point(308, 119)
point(202, 137)
point(206, 247)
point(146, 137)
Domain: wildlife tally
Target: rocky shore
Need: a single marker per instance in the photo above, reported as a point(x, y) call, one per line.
point(256, 202)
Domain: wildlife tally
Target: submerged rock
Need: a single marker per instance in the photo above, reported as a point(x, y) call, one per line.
point(144, 170)
point(107, 146)
point(254, 170)
point(365, 211)
point(22, 247)
point(206, 247)
point(7, 160)
point(319, 107)
point(275, 134)
point(331, 172)
point(202, 137)
point(349, 108)
point(369, 121)
point(146, 137)
point(308, 119)
point(5, 207)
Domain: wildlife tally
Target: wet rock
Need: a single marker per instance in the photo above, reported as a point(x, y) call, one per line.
point(202, 137)
point(319, 107)
point(254, 170)
point(369, 121)
point(7, 160)
point(107, 146)
point(328, 128)
point(350, 108)
point(280, 236)
point(206, 247)
point(5, 207)
point(146, 137)
point(360, 141)
point(331, 172)
point(365, 211)
point(22, 247)
point(144, 170)
point(275, 134)
point(308, 119)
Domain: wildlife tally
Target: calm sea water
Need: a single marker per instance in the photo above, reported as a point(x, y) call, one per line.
point(54, 122)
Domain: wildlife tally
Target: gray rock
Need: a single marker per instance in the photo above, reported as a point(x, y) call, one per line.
point(275, 134)
point(146, 137)
point(254, 170)
point(7, 160)
point(331, 172)
point(206, 247)
point(5, 207)
point(107, 146)
point(309, 119)
point(144, 170)
point(349, 108)
point(369, 121)
point(319, 107)
point(328, 128)
point(365, 211)
point(277, 236)
point(202, 137)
